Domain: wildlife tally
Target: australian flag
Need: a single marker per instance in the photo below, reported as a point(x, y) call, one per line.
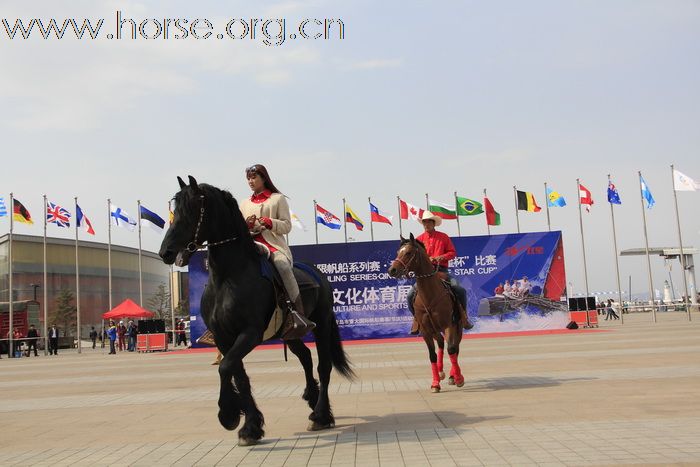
point(55, 214)
point(613, 195)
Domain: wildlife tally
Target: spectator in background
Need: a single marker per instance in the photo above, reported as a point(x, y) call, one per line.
point(112, 335)
point(53, 340)
point(93, 336)
point(181, 334)
point(17, 341)
point(32, 336)
point(121, 334)
point(131, 332)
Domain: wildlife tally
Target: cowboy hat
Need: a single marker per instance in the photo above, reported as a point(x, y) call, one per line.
point(429, 216)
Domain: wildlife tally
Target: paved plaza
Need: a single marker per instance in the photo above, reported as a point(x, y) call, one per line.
point(627, 394)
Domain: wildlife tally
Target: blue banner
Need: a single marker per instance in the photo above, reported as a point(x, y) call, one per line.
point(514, 282)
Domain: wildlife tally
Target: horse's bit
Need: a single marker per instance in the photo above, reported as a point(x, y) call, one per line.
point(193, 245)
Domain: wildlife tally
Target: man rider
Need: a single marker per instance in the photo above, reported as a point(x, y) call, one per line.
point(440, 250)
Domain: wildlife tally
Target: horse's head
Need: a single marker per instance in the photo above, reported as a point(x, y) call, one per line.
point(409, 257)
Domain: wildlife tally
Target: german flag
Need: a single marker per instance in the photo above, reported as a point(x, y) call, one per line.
point(526, 202)
point(20, 213)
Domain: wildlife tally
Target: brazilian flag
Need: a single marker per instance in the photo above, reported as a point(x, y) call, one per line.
point(468, 207)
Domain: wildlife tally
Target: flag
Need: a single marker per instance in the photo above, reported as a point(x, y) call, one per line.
point(492, 217)
point(152, 220)
point(296, 222)
point(55, 214)
point(442, 210)
point(554, 199)
point(646, 194)
point(468, 207)
point(526, 201)
point(585, 197)
point(379, 216)
point(407, 209)
point(613, 195)
point(327, 218)
point(681, 182)
point(121, 218)
point(171, 214)
point(353, 218)
point(3, 207)
point(82, 220)
point(20, 213)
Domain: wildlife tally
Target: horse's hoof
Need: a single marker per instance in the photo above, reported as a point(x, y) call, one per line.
point(247, 441)
point(229, 424)
point(451, 381)
point(460, 383)
point(315, 426)
point(442, 375)
point(434, 389)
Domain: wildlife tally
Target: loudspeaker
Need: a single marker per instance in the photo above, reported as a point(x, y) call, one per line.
point(591, 303)
point(573, 304)
point(581, 303)
point(158, 326)
point(143, 327)
point(572, 325)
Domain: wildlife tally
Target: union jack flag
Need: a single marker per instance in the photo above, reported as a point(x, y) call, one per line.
point(57, 215)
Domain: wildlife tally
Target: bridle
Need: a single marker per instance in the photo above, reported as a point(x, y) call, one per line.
point(193, 245)
point(412, 274)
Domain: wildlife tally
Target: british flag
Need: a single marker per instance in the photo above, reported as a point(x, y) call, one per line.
point(57, 215)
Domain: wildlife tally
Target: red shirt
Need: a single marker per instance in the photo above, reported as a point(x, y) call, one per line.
point(438, 244)
point(259, 198)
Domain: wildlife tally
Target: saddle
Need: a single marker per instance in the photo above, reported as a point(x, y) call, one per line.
point(286, 323)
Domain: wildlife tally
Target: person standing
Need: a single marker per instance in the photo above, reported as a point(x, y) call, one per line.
point(441, 250)
point(53, 340)
point(112, 335)
point(611, 311)
point(131, 336)
point(32, 336)
point(93, 336)
point(121, 335)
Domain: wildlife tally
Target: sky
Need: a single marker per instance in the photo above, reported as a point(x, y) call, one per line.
point(418, 97)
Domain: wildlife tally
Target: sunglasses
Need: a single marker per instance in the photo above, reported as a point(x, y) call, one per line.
point(252, 169)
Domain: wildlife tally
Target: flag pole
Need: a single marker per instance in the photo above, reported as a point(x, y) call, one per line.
point(515, 195)
point(617, 260)
point(138, 203)
point(77, 278)
point(315, 222)
point(427, 203)
point(459, 230)
point(345, 222)
point(46, 293)
point(646, 249)
point(583, 247)
point(371, 224)
point(546, 200)
point(109, 252)
point(398, 201)
point(9, 290)
point(172, 280)
point(488, 227)
point(680, 243)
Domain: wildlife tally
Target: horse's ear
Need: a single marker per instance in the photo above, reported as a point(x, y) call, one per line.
point(412, 238)
point(193, 182)
point(181, 182)
point(403, 240)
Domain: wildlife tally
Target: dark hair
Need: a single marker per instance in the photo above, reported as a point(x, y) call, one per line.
point(262, 171)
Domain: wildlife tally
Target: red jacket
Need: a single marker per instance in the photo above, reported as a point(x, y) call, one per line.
point(438, 244)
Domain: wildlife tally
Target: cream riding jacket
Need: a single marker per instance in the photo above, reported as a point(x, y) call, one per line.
point(277, 209)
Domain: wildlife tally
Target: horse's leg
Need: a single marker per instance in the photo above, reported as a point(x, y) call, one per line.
point(322, 415)
point(232, 364)
point(303, 353)
point(435, 385)
point(440, 356)
point(454, 337)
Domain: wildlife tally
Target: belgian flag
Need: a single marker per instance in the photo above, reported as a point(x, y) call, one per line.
point(526, 202)
point(20, 213)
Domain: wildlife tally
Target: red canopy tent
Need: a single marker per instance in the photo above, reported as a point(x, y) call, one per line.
point(128, 309)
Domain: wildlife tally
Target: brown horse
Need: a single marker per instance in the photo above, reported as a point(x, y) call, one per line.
point(437, 311)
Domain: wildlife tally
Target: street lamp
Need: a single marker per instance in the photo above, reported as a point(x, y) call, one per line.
point(36, 286)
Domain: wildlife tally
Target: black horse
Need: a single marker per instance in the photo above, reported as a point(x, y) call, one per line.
point(238, 302)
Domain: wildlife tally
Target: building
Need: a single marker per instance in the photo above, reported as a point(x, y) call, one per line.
point(28, 274)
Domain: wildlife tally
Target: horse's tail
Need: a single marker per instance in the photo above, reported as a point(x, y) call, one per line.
point(338, 357)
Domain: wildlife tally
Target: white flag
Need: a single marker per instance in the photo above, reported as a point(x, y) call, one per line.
point(682, 182)
point(121, 218)
point(296, 222)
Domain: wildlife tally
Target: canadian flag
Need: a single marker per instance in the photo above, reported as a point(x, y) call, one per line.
point(408, 210)
point(585, 195)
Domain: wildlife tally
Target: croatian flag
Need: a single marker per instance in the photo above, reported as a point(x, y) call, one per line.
point(83, 221)
point(379, 216)
point(327, 218)
point(121, 218)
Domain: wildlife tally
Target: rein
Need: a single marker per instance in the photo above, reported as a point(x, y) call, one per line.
point(412, 274)
point(193, 245)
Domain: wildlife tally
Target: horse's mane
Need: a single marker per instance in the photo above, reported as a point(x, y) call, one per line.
point(227, 203)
